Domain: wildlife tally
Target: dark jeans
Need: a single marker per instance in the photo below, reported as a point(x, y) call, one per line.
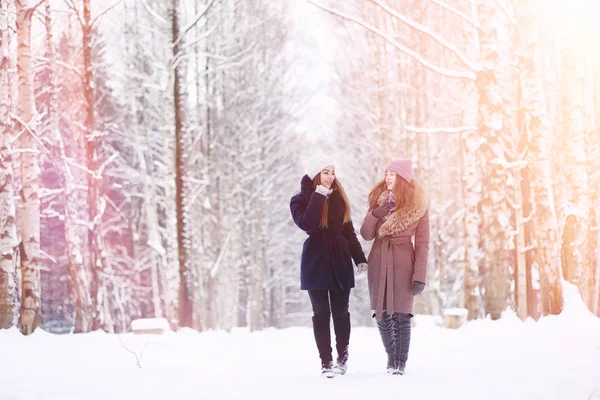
point(320, 300)
point(326, 303)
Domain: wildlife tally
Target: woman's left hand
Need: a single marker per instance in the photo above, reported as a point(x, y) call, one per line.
point(417, 287)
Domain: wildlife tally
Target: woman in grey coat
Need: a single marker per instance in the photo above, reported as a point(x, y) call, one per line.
point(398, 211)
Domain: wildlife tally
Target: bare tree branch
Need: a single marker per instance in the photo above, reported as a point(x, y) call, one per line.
point(425, 30)
point(194, 22)
point(153, 13)
point(195, 40)
point(469, 75)
point(104, 12)
point(62, 64)
point(28, 129)
point(506, 12)
point(138, 359)
point(456, 12)
point(457, 129)
point(71, 4)
point(32, 9)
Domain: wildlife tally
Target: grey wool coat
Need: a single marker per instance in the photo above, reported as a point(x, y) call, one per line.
point(394, 262)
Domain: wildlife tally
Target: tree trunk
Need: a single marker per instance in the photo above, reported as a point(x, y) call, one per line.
point(471, 194)
point(186, 308)
point(157, 255)
point(9, 241)
point(29, 213)
point(102, 318)
point(73, 237)
point(593, 148)
point(495, 213)
point(521, 267)
point(574, 238)
point(537, 126)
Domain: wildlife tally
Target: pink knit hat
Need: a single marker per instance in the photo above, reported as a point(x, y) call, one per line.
point(402, 167)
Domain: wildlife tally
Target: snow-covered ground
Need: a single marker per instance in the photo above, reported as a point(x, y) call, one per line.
point(555, 358)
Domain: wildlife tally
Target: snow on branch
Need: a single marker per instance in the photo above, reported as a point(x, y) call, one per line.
point(458, 129)
point(507, 13)
point(192, 42)
point(530, 247)
point(27, 128)
point(456, 12)
point(215, 267)
point(102, 167)
point(153, 13)
point(61, 64)
point(194, 22)
point(105, 11)
point(71, 4)
point(469, 75)
point(426, 31)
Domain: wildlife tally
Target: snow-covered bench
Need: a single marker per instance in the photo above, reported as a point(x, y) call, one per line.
point(150, 325)
point(455, 317)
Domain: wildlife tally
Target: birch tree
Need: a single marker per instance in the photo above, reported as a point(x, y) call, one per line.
point(592, 132)
point(95, 201)
point(149, 127)
point(8, 229)
point(595, 179)
point(183, 241)
point(574, 237)
point(537, 127)
point(495, 213)
point(29, 212)
point(74, 231)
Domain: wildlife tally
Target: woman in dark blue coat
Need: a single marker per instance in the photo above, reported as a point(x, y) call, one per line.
point(321, 209)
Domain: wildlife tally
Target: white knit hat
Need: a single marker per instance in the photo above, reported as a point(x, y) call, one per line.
point(317, 164)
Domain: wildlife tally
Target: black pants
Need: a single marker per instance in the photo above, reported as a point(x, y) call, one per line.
point(326, 303)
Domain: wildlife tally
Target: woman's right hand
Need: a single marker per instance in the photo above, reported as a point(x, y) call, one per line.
point(381, 211)
point(322, 190)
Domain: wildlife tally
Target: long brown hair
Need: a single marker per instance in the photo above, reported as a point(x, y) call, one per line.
point(403, 193)
point(325, 211)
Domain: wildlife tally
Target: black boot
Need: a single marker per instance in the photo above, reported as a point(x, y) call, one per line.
point(323, 339)
point(386, 332)
point(341, 326)
point(401, 323)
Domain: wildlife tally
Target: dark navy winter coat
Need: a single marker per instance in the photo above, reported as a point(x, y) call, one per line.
point(328, 252)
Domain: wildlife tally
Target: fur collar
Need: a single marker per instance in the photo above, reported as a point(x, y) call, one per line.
point(401, 219)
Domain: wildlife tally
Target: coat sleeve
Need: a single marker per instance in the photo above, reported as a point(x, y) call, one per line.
point(369, 227)
point(307, 213)
point(356, 250)
point(421, 249)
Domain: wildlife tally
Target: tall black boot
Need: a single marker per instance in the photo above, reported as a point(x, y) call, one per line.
point(323, 339)
point(341, 327)
point(401, 322)
point(386, 332)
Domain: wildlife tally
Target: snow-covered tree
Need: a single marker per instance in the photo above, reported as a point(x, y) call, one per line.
point(9, 242)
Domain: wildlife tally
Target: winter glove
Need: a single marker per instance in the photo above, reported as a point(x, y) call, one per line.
point(322, 190)
point(362, 267)
point(381, 211)
point(417, 287)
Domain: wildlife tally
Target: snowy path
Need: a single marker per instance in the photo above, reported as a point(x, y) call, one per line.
point(557, 358)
